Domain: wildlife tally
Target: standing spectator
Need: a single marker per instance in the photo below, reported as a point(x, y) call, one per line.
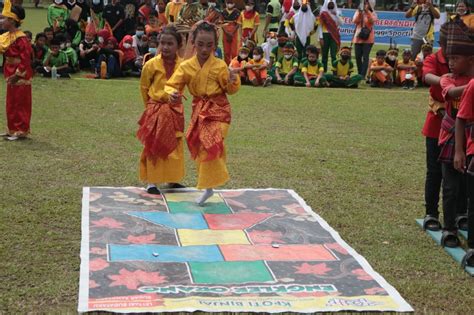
point(272, 18)
point(57, 15)
point(363, 40)
point(462, 9)
point(144, 12)
point(249, 20)
point(330, 20)
point(230, 40)
point(130, 8)
point(172, 10)
point(423, 30)
point(115, 15)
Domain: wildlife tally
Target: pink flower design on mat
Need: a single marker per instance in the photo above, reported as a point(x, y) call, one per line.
point(337, 247)
point(318, 269)
point(231, 194)
point(361, 274)
point(133, 279)
point(277, 196)
point(93, 284)
point(265, 237)
point(108, 223)
point(262, 208)
point(295, 208)
point(374, 291)
point(98, 264)
point(141, 239)
point(93, 196)
point(234, 203)
point(98, 251)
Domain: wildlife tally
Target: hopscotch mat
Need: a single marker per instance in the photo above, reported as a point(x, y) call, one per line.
point(249, 250)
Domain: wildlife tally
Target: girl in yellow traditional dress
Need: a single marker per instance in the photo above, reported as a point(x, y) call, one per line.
point(208, 80)
point(162, 123)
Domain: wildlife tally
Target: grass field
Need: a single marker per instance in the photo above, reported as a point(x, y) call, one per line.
point(355, 156)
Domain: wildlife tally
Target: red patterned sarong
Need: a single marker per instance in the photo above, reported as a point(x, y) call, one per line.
point(158, 126)
point(205, 127)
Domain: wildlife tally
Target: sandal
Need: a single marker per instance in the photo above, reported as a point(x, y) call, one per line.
point(468, 259)
point(461, 222)
point(450, 239)
point(153, 190)
point(431, 223)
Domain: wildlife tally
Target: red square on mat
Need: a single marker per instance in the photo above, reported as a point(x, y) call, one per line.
point(311, 252)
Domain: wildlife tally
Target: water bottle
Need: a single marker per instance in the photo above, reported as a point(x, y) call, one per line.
point(54, 73)
point(103, 70)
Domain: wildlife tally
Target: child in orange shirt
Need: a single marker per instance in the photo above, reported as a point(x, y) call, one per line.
point(240, 62)
point(257, 69)
point(380, 71)
point(406, 70)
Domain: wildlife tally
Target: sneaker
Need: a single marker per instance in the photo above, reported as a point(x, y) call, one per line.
point(153, 190)
point(12, 138)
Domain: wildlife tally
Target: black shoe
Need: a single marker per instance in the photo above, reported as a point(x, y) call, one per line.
point(153, 191)
point(175, 186)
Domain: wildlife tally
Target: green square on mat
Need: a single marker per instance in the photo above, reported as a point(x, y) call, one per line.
point(229, 272)
point(192, 207)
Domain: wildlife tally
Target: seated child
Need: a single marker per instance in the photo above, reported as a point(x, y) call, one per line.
point(380, 71)
point(129, 57)
point(88, 49)
point(39, 50)
point(109, 58)
point(152, 49)
point(65, 45)
point(406, 71)
point(257, 69)
point(239, 63)
point(48, 31)
point(426, 50)
point(57, 58)
point(342, 69)
point(312, 70)
point(392, 60)
point(286, 66)
point(29, 35)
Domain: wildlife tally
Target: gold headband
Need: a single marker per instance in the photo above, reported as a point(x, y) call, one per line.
point(7, 11)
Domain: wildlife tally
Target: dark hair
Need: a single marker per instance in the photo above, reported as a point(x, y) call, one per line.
point(140, 25)
point(381, 53)
point(312, 50)
point(55, 42)
point(19, 12)
point(258, 50)
point(48, 29)
point(60, 37)
point(173, 31)
point(28, 34)
point(39, 35)
point(205, 27)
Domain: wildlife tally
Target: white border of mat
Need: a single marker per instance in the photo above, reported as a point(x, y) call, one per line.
point(84, 274)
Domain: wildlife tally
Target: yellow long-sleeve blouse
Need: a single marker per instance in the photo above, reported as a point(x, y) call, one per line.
point(153, 79)
point(209, 80)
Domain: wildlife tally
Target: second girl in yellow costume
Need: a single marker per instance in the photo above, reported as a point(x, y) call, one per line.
point(162, 123)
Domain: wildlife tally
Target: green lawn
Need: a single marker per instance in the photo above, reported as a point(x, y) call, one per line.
point(355, 156)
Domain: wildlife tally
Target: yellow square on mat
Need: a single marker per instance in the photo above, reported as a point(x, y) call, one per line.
point(209, 237)
point(191, 196)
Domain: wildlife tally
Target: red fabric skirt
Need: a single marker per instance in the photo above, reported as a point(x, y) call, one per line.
point(18, 109)
point(158, 126)
point(205, 128)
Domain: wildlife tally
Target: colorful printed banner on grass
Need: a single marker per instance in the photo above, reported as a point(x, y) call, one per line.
point(244, 251)
point(390, 25)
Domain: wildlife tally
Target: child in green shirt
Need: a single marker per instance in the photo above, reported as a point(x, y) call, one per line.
point(55, 57)
point(312, 70)
point(342, 69)
point(286, 66)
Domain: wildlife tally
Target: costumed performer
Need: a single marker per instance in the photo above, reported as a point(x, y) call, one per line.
point(17, 51)
point(162, 123)
point(208, 80)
